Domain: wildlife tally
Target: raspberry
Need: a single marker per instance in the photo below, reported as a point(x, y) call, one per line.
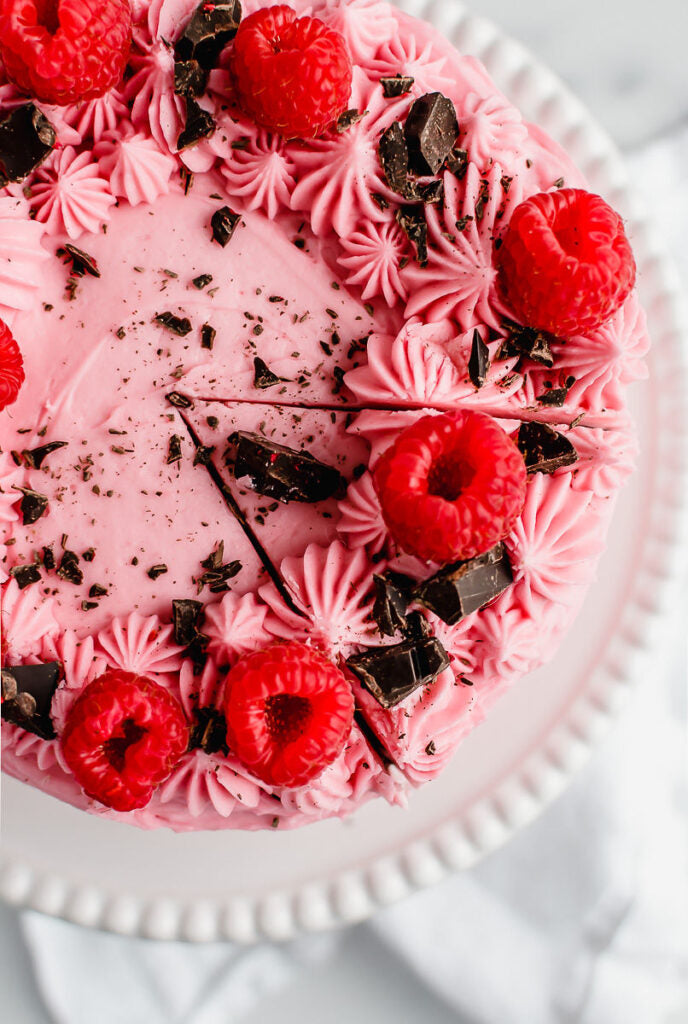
point(62, 51)
point(292, 75)
point(565, 263)
point(124, 735)
point(451, 486)
point(11, 367)
point(289, 711)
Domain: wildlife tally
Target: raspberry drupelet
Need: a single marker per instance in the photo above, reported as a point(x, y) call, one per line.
point(11, 367)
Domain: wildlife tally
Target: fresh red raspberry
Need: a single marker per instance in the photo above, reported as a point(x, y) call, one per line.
point(124, 735)
point(11, 367)
point(451, 486)
point(61, 51)
point(289, 712)
point(565, 263)
point(292, 75)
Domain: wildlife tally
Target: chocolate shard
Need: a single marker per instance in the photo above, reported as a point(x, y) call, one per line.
point(81, 262)
point(208, 335)
point(412, 221)
point(397, 85)
point(199, 125)
point(555, 397)
point(210, 28)
point(27, 693)
point(190, 79)
point(347, 120)
point(69, 568)
point(202, 281)
point(431, 193)
point(394, 159)
point(544, 449)
point(180, 325)
point(223, 223)
point(529, 342)
point(209, 731)
point(32, 506)
point(26, 139)
point(417, 626)
point(464, 587)
point(174, 450)
point(25, 575)
point(431, 130)
point(33, 458)
point(280, 472)
point(263, 376)
point(391, 674)
point(178, 400)
point(187, 616)
point(457, 162)
point(392, 596)
point(479, 360)
point(155, 571)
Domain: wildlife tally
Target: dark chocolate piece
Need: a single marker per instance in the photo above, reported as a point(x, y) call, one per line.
point(263, 377)
point(544, 449)
point(224, 222)
point(394, 158)
point(35, 457)
point(397, 85)
point(48, 558)
point(210, 28)
point(431, 130)
point(69, 568)
point(203, 454)
point(97, 591)
point(209, 731)
point(457, 162)
point(187, 617)
point(392, 596)
point(280, 472)
point(529, 342)
point(26, 139)
point(178, 400)
point(174, 449)
point(347, 120)
point(27, 693)
point(555, 397)
point(190, 79)
point(411, 220)
point(25, 575)
point(479, 360)
point(81, 262)
point(199, 125)
point(180, 325)
point(391, 674)
point(463, 587)
point(431, 193)
point(208, 335)
point(202, 281)
point(157, 570)
point(417, 626)
point(217, 571)
point(32, 506)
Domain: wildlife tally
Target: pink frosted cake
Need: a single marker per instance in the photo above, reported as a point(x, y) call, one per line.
point(322, 425)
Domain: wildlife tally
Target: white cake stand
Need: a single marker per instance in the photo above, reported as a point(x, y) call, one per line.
point(244, 886)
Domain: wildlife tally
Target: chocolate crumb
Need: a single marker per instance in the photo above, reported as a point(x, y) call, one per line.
point(156, 570)
point(178, 325)
point(202, 281)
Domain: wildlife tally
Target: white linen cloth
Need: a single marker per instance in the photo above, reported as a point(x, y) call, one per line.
point(580, 919)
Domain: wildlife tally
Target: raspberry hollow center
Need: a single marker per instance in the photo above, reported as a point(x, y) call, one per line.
point(116, 747)
point(287, 717)
point(48, 15)
point(449, 477)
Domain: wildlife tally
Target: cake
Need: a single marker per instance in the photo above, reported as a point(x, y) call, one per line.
point(315, 453)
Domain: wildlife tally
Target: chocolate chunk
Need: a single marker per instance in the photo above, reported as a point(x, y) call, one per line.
point(457, 162)
point(27, 693)
point(224, 222)
point(180, 325)
point(25, 575)
point(391, 674)
point(202, 281)
point(35, 457)
point(203, 454)
point(209, 731)
point(554, 397)
point(190, 79)
point(431, 131)
point(463, 587)
point(392, 596)
point(199, 125)
point(394, 158)
point(81, 262)
point(32, 506)
point(97, 591)
point(69, 568)
point(282, 473)
point(411, 220)
point(263, 376)
point(89, 554)
point(417, 626)
point(178, 400)
point(26, 139)
point(48, 558)
point(174, 449)
point(347, 120)
point(208, 335)
point(544, 449)
point(479, 360)
point(187, 616)
point(398, 85)
point(157, 570)
point(528, 342)
point(430, 194)
point(217, 571)
point(210, 28)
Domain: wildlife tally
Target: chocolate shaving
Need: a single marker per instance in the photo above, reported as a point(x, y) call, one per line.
point(479, 360)
point(544, 449)
point(224, 222)
point(199, 125)
point(174, 449)
point(282, 473)
point(397, 85)
point(180, 325)
point(35, 457)
point(27, 693)
point(81, 262)
point(431, 130)
point(69, 568)
point(391, 674)
point(464, 587)
point(411, 220)
point(210, 28)
point(263, 376)
point(218, 572)
point(26, 140)
point(178, 400)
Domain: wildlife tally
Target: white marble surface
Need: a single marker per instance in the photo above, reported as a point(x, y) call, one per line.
point(626, 60)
